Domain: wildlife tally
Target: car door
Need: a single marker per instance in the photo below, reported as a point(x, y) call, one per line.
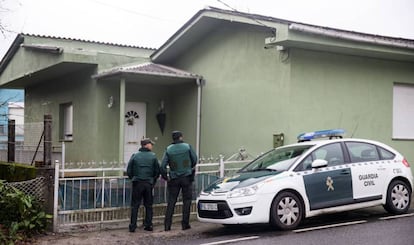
point(330, 185)
point(368, 170)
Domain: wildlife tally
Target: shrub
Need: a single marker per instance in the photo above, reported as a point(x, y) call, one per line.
point(21, 216)
point(13, 172)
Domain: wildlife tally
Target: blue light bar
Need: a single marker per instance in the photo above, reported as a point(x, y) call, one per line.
point(331, 133)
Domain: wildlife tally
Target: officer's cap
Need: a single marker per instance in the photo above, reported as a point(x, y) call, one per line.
point(146, 141)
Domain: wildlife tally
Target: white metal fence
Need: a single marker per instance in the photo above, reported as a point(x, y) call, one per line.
point(97, 196)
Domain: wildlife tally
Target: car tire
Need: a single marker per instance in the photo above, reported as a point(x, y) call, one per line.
point(286, 211)
point(398, 197)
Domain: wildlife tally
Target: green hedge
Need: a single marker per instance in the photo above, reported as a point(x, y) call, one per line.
point(12, 172)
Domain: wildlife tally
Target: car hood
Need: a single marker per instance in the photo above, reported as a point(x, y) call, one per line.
point(239, 180)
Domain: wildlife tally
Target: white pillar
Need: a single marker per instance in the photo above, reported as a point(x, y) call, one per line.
point(122, 98)
point(55, 197)
point(200, 84)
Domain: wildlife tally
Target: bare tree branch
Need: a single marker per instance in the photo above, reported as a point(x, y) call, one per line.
point(3, 10)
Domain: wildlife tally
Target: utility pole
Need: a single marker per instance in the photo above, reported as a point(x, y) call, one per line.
point(47, 141)
point(11, 142)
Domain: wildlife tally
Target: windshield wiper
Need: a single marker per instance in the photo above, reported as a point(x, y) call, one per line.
point(262, 169)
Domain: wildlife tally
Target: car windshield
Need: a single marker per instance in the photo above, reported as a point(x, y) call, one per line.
point(278, 159)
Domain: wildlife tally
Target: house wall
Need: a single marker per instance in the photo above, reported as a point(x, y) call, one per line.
point(27, 61)
point(184, 112)
point(94, 137)
point(107, 126)
point(95, 126)
point(78, 89)
point(180, 108)
point(243, 98)
point(252, 93)
point(343, 91)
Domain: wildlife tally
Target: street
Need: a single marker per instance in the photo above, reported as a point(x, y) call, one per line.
point(365, 226)
point(379, 232)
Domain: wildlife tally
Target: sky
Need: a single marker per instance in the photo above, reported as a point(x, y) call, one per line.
point(149, 23)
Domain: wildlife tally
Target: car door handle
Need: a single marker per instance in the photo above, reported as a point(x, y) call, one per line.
point(345, 172)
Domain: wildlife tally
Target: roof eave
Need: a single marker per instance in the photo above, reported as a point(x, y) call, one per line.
point(11, 52)
point(215, 15)
point(352, 36)
point(164, 53)
point(176, 35)
point(122, 73)
point(340, 41)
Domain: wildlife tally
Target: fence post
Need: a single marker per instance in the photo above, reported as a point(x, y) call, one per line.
point(103, 196)
point(47, 141)
point(11, 143)
point(63, 155)
point(55, 197)
point(221, 162)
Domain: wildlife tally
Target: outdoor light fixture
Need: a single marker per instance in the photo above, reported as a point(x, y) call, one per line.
point(110, 101)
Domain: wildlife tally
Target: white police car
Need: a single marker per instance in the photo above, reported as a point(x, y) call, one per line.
point(293, 182)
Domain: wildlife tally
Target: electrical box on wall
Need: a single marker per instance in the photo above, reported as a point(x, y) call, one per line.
point(278, 140)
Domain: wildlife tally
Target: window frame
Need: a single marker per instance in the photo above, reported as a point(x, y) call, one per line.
point(374, 147)
point(66, 122)
point(402, 111)
point(299, 166)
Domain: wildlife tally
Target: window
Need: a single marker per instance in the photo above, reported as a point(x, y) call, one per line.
point(306, 164)
point(332, 153)
point(403, 111)
point(362, 152)
point(385, 154)
point(66, 122)
point(277, 159)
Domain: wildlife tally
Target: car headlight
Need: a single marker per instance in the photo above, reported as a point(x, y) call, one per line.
point(202, 193)
point(244, 191)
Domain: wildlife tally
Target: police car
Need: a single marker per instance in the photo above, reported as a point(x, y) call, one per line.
point(309, 178)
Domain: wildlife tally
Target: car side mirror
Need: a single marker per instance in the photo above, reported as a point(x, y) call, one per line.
point(319, 163)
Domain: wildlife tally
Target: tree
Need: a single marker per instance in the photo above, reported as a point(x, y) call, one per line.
point(6, 7)
point(3, 10)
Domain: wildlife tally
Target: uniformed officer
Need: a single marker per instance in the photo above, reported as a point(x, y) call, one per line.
point(143, 169)
point(181, 159)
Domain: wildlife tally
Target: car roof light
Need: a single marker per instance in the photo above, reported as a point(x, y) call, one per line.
point(330, 133)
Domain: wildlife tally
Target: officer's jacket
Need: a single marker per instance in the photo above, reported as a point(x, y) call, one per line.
point(181, 158)
point(143, 165)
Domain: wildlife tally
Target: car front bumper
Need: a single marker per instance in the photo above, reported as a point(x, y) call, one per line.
point(243, 210)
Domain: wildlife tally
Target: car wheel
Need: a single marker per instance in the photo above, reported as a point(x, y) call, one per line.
point(398, 197)
point(286, 211)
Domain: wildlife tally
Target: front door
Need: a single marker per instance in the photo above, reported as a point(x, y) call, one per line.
point(332, 185)
point(135, 127)
point(329, 188)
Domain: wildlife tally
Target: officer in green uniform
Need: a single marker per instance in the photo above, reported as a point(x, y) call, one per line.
point(181, 159)
point(143, 169)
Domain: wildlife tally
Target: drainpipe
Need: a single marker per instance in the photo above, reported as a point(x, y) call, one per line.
point(121, 119)
point(200, 83)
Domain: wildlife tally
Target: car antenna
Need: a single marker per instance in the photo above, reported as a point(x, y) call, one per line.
point(353, 132)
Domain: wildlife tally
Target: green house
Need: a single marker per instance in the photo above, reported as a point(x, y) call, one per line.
point(228, 80)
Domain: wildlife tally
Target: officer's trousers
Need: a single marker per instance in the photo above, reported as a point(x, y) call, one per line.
point(141, 190)
point(174, 186)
